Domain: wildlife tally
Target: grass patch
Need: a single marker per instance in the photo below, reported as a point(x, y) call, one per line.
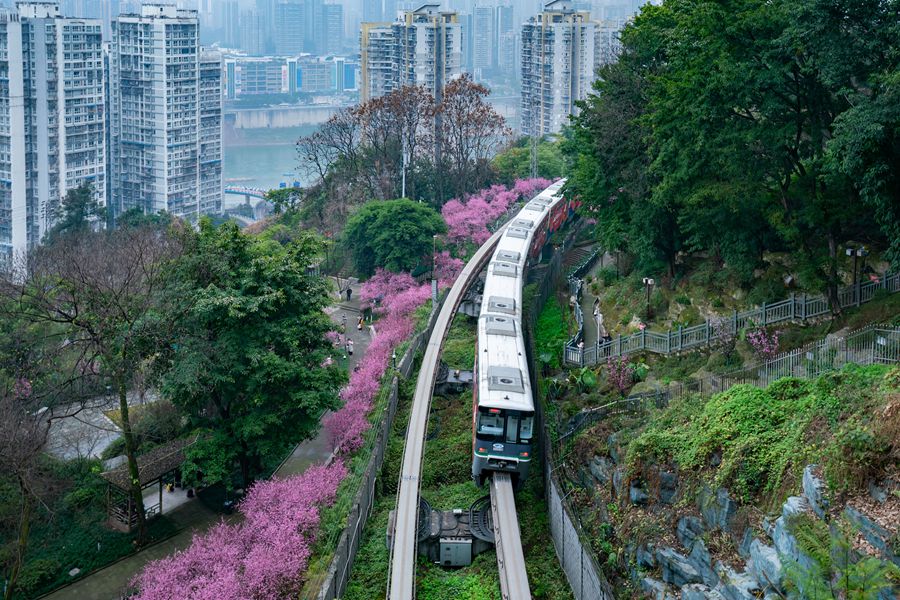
point(459, 347)
point(551, 333)
point(766, 436)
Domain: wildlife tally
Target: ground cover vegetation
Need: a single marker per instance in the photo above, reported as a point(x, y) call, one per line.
point(730, 130)
point(755, 443)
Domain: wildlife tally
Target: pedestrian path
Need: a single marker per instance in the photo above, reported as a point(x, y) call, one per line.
point(110, 582)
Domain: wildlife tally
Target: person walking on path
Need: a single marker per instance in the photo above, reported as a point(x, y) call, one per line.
point(359, 324)
point(349, 293)
point(350, 347)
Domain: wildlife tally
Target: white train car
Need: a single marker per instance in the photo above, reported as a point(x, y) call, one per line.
point(503, 404)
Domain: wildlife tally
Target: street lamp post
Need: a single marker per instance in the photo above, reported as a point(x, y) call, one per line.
point(405, 165)
point(856, 253)
point(394, 359)
point(648, 283)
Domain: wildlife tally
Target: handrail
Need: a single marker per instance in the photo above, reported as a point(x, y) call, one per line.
point(794, 308)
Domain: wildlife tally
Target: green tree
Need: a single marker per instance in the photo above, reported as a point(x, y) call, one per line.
point(515, 161)
point(739, 126)
point(392, 234)
point(79, 210)
point(247, 366)
point(285, 199)
point(106, 298)
point(135, 217)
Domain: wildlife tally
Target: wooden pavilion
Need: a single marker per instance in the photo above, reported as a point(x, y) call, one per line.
point(159, 466)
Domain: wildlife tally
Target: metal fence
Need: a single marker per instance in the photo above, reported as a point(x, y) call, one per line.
point(570, 541)
point(874, 344)
point(575, 556)
point(335, 581)
point(795, 308)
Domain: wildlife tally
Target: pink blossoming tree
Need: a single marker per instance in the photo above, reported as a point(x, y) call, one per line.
point(262, 557)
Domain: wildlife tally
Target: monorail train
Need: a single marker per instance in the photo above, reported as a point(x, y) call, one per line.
point(503, 404)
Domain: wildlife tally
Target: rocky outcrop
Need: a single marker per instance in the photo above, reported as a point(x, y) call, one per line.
point(677, 568)
point(691, 572)
point(875, 534)
point(765, 565)
point(717, 508)
point(814, 490)
point(698, 591)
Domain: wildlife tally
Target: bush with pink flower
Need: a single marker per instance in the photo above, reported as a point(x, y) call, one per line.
point(394, 297)
point(468, 219)
point(262, 556)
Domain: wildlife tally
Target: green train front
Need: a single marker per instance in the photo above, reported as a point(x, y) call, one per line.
point(503, 407)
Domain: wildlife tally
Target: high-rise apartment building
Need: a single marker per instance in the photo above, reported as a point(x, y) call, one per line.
point(558, 66)
point(166, 115)
point(253, 32)
point(231, 23)
point(423, 47)
point(331, 30)
point(211, 123)
point(507, 41)
point(609, 43)
point(484, 40)
point(52, 119)
point(494, 40)
point(289, 27)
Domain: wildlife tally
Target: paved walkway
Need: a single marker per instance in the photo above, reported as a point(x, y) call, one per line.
point(194, 517)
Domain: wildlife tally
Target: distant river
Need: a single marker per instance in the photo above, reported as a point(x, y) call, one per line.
point(262, 158)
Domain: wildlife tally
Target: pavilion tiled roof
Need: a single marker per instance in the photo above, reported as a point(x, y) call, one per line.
point(151, 465)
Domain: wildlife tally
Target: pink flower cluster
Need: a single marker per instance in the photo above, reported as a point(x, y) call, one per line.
point(467, 219)
point(22, 389)
point(621, 373)
point(764, 344)
point(447, 268)
point(262, 557)
point(398, 296)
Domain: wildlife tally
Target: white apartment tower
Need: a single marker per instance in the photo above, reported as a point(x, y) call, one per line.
point(423, 47)
point(558, 66)
point(166, 114)
point(51, 119)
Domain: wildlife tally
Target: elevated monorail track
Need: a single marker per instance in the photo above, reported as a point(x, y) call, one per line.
point(402, 575)
point(508, 540)
point(503, 408)
point(401, 581)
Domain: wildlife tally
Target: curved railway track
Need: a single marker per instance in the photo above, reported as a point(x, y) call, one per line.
point(510, 558)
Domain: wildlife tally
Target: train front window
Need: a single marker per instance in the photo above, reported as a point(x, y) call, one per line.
point(525, 429)
point(490, 424)
point(512, 429)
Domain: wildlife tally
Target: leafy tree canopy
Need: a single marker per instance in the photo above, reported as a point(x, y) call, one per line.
point(392, 234)
point(731, 128)
point(78, 211)
point(515, 162)
point(248, 365)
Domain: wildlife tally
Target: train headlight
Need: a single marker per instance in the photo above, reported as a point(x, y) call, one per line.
point(523, 454)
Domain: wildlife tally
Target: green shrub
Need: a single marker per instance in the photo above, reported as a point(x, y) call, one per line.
point(36, 573)
point(115, 448)
point(762, 434)
point(607, 275)
point(683, 299)
point(854, 456)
